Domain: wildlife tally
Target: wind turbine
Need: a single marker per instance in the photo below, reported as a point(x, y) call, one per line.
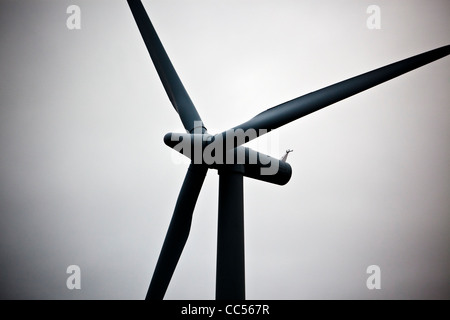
point(226, 150)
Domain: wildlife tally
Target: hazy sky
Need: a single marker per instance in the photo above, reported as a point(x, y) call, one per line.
point(85, 178)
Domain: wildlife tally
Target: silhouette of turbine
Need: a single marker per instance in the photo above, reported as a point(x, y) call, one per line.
point(230, 272)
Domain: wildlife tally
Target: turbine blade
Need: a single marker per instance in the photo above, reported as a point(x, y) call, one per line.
point(169, 77)
point(294, 109)
point(177, 233)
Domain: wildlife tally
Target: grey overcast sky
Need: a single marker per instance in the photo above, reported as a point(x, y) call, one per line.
point(85, 178)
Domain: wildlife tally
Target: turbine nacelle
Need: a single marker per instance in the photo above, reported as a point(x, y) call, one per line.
point(222, 154)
